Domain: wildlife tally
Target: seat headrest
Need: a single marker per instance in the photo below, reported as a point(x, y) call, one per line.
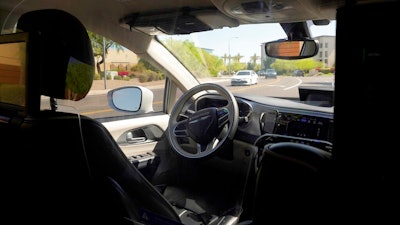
point(66, 54)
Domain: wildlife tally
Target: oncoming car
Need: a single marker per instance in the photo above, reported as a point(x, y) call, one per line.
point(244, 77)
point(270, 73)
point(176, 140)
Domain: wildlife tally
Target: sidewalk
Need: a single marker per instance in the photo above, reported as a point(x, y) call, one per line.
point(101, 87)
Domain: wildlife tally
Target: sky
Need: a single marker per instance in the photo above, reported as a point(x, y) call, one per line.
point(247, 39)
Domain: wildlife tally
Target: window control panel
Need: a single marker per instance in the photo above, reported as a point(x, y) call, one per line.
point(142, 160)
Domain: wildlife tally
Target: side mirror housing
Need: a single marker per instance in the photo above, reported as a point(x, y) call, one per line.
point(131, 99)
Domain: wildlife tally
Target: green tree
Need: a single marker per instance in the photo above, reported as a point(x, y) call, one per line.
point(287, 66)
point(146, 72)
point(197, 60)
point(267, 62)
point(253, 65)
point(250, 66)
point(237, 58)
point(254, 59)
point(238, 66)
point(99, 44)
point(148, 66)
point(213, 63)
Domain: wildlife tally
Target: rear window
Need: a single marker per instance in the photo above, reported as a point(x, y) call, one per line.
point(243, 73)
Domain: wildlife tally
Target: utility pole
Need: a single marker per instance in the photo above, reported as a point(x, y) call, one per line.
point(104, 62)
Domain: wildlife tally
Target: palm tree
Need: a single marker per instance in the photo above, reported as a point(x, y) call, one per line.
point(98, 42)
point(225, 57)
point(237, 57)
point(254, 59)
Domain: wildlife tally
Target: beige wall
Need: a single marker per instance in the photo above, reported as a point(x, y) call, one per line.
point(327, 50)
point(120, 59)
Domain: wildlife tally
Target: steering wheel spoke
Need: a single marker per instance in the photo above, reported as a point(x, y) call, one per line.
point(180, 129)
point(223, 116)
point(207, 147)
point(209, 128)
point(185, 115)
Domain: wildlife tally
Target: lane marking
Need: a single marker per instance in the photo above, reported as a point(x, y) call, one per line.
point(293, 86)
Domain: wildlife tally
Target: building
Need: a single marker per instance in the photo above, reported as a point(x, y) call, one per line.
point(120, 60)
point(327, 50)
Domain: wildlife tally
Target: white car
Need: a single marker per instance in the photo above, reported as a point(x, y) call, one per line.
point(244, 77)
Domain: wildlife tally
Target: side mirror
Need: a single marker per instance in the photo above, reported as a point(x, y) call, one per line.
point(291, 49)
point(131, 99)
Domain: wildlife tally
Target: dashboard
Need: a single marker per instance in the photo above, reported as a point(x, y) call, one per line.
point(272, 120)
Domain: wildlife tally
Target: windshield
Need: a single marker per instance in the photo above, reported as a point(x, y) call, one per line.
point(243, 73)
point(220, 53)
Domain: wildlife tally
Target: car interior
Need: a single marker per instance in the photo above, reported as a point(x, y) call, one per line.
point(89, 161)
point(210, 166)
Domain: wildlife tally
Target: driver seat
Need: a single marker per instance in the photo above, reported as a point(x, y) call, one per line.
point(292, 185)
point(73, 171)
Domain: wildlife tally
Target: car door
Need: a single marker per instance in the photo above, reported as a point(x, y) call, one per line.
point(139, 133)
point(136, 133)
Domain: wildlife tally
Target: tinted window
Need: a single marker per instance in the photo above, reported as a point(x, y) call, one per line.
point(243, 73)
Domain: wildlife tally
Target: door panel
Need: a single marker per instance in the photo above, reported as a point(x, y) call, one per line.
point(138, 135)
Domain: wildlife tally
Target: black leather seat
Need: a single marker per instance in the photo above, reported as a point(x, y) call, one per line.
point(292, 185)
point(65, 167)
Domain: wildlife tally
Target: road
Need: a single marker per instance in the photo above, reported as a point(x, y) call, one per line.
point(96, 105)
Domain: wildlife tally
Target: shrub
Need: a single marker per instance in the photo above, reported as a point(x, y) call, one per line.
point(142, 78)
point(325, 70)
point(132, 75)
point(151, 75)
point(138, 68)
point(97, 77)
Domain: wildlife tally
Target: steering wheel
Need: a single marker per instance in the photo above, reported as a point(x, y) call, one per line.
point(198, 134)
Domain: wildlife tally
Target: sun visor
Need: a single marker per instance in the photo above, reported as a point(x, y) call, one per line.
point(180, 21)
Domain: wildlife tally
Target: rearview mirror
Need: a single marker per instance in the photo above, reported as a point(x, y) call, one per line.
point(293, 49)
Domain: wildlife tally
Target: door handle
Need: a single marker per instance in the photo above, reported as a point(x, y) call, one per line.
point(133, 140)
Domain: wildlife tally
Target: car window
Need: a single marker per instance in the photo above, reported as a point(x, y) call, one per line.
point(122, 68)
point(208, 62)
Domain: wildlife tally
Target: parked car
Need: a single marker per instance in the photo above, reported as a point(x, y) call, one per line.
point(244, 77)
point(261, 73)
point(177, 144)
point(298, 73)
point(270, 73)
